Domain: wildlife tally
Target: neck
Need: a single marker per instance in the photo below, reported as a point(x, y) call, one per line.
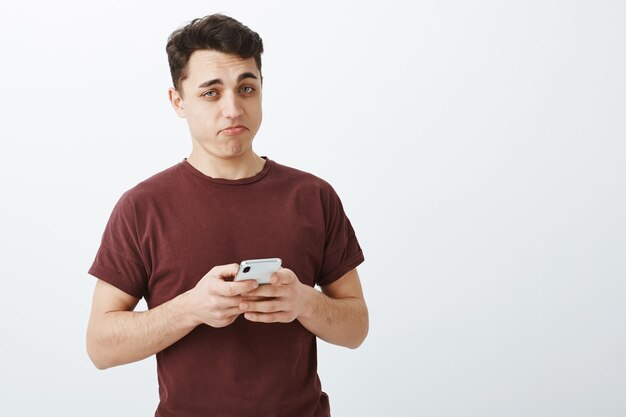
point(244, 166)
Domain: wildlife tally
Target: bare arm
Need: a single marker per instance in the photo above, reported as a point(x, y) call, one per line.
point(117, 335)
point(337, 315)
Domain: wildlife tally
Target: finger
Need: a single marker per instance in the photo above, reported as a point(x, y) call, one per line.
point(225, 302)
point(225, 271)
point(266, 306)
point(245, 297)
point(227, 313)
point(222, 318)
point(283, 276)
point(280, 317)
point(266, 291)
point(231, 289)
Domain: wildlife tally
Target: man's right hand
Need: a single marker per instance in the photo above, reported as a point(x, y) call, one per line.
point(117, 334)
point(214, 300)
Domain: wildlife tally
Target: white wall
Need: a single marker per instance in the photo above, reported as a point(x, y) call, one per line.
point(479, 149)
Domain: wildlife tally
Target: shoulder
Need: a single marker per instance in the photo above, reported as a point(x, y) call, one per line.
point(307, 191)
point(301, 179)
point(158, 184)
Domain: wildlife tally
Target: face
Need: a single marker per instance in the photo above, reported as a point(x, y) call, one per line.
point(221, 101)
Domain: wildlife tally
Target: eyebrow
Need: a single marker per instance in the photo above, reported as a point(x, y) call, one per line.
point(220, 82)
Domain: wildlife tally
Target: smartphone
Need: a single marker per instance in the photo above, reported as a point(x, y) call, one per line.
point(260, 270)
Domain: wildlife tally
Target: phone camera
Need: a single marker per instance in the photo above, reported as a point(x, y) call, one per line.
point(246, 269)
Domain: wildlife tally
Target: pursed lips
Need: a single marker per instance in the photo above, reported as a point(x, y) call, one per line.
point(233, 130)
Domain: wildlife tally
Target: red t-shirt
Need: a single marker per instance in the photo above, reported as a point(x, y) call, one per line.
point(166, 233)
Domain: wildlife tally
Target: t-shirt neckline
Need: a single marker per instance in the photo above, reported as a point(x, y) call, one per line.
point(242, 181)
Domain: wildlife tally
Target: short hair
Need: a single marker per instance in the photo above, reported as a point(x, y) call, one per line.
point(213, 32)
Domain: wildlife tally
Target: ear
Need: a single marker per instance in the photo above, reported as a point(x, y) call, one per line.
point(176, 100)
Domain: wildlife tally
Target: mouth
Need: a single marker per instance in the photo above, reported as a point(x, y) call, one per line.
point(233, 130)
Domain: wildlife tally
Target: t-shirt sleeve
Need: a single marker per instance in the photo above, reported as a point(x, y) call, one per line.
point(119, 259)
point(342, 252)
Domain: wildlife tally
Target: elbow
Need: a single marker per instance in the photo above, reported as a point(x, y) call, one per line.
point(100, 362)
point(96, 353)
point(354, 345)
point(358, 341)
point(99, 365)
point(96, 358)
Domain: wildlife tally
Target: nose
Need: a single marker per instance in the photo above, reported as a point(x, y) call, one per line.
point(231, 107)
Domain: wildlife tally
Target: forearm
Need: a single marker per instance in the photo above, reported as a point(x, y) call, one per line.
point(340, 321)
point(120, 337)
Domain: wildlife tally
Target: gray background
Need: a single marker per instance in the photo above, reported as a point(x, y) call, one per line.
point(478, 147)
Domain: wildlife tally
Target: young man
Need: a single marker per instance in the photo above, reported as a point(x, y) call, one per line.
point(226, 348)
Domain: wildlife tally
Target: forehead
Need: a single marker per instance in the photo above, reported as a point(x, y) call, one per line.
point(205, 65)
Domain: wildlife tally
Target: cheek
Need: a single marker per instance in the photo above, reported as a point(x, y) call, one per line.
point(200, 120)
point(256, 114)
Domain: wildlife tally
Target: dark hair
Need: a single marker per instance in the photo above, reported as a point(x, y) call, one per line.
point(214, 32)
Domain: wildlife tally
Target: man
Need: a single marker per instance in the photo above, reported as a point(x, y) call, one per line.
point(224, 347)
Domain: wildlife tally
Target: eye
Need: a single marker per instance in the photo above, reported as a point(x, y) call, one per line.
point(246, 89)
point(210, 94)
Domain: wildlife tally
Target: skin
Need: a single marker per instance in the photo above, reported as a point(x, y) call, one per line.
point(233, 99)
point(223, 119)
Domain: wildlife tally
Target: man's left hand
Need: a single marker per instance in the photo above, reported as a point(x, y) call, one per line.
point(281, 301)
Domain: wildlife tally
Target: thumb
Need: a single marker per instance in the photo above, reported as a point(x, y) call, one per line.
point(224, 271)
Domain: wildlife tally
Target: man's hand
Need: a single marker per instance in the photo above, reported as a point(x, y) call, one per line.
point(337, 315)
point(282, 301)
point(118, 335)
point(215, 301)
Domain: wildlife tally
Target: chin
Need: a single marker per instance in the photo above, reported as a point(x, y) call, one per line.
point(237, 149)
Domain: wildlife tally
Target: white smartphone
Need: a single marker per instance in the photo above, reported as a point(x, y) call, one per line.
point(260, 270)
